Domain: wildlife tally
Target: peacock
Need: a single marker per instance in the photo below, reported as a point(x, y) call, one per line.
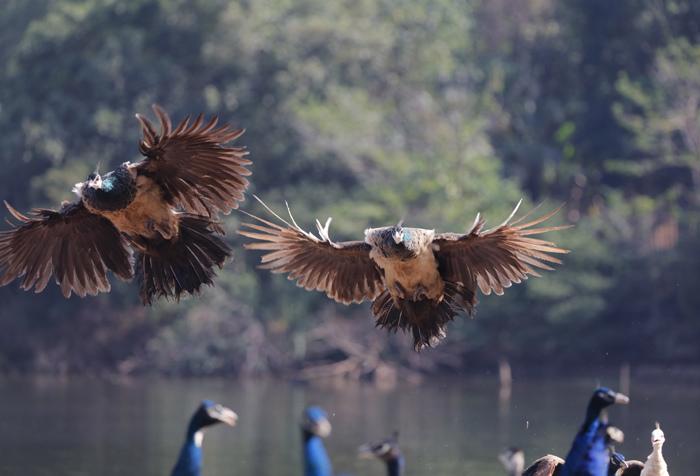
point(513, 459)
point(387, 451)
point(314, 427)
point(207, 414)
point(418, 280)
point(655, 465)
point(590, 451)
point(154, 219)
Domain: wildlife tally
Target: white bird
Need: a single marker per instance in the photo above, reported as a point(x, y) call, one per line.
point(655, 464)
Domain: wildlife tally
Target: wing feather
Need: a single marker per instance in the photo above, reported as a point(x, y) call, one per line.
point(496, 258)
point(72, 244)
point(344, 271)
point(192, 164)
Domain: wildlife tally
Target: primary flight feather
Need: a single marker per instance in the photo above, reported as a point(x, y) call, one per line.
point(156, 219)
point(417, 279)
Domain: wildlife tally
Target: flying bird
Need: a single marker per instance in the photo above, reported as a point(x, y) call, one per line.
point(156, 218)
point(417, 279)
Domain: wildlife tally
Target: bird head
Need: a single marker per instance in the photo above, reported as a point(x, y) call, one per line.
point(398, 234)
point(385, 450)
point(94, 181)
point(657, 437)
point(617, 461)
point(513, 459)
point(604, 397)
point(315, 421)
point(210, 413)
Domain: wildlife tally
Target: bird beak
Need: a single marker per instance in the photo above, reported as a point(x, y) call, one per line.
point(224, 415)
point(621, 399)
point(323, 428)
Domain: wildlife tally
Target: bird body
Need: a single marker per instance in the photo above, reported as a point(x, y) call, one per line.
point(590, 454)
point(410, 270)
point(164, 208)
point(189, 463)
point(314, 427)
point(143, 212)
point(655, 465)
point(417, 280)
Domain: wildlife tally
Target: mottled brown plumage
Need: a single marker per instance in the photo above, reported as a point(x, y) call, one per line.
point(164, 208)
point(417, 280)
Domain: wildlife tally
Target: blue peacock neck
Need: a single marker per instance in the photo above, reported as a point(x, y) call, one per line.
point(189, 462)
point(316, 462)
point(589, 455)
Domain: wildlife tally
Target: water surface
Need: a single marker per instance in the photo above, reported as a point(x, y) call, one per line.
point(447, 427)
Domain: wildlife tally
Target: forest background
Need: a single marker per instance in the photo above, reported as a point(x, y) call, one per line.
point(373, 111)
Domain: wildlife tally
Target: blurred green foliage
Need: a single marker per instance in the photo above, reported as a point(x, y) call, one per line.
point(370, 112)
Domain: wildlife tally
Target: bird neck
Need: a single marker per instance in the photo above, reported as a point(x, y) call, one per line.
point(394, 467)
point(316, 462)
point(189, 462)
point(589, 453)
point(656, 460)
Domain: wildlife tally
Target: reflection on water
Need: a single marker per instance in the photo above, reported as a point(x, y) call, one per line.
point(447, 427)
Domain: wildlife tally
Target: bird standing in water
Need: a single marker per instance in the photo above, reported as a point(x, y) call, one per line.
point(417, 279)
point(314, 427)
point(387, 451)
point(590, 452)
point(655, 465)
point(208, 413)
point(163, 207)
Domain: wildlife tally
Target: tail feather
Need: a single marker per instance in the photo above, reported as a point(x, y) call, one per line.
point(425, 318)
point(171, 268)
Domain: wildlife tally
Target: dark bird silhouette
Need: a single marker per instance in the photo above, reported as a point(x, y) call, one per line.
point(314, 427)
point(208, 413)
point(157, 216)
point(387, 451)
point(590, 451)
point(619, 466)
point(418, 280)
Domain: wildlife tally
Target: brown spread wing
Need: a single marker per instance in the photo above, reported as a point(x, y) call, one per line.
point(74, 245)
point(499, 257)
point(344, 271)
point(192, 165)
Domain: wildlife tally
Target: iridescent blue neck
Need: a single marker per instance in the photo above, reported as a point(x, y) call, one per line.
point(316, 462)
point(589, 454)
point(190, 461)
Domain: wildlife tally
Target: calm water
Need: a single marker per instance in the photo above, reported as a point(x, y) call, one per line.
point(91, 427)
